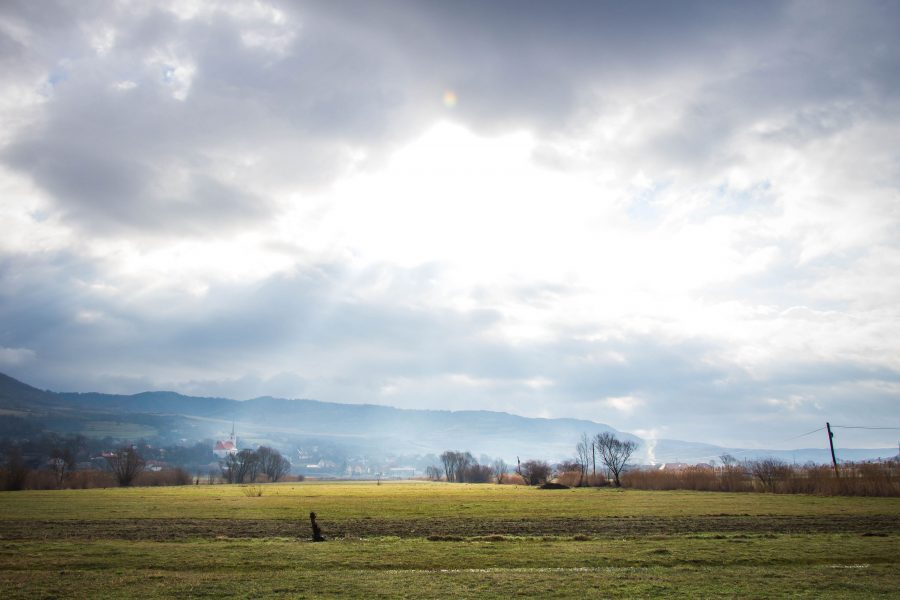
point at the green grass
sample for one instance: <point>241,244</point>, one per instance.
<point>415,501</point>
<point>801,566</point>
<point>38,558</point>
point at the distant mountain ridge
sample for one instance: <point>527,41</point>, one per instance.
<point>363,425</point>
<point>359,427</point>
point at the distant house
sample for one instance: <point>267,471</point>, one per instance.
<point>225,447</point>
<point>676,466</point>
<point>401,472</point>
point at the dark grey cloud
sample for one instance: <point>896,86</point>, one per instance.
<point>363,75</point>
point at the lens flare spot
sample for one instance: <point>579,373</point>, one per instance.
<point>450,99</point>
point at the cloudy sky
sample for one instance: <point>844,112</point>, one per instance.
<point>680,219</point>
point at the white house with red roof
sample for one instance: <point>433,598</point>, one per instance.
<point>225,447</point>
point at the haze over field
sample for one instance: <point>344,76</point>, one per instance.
<point>680,219</point>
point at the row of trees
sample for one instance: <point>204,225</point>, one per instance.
<point>461,467</point>
<point>47,460</point>
<point>613,455</point>
<point>124,467</point>
<point>247,465</point>
<point>124,464</point>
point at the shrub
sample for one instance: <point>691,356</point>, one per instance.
<point>253,491</point>
<point>478,474</point>
<point>164,477</point>
<point>570,478</point>
<point>535,472</point>
<point>774,476</point>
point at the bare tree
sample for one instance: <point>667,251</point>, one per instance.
<point>229,466</point>
<point>464,463</point>
<point>568,466</point>
<point>16,470</point>
<point>61,462</point>
<point>272,463</point>
<point>583,456</point>
<point>535,472</point>
<point>476,473</point>
<point>433,473</point>
<point>449,460</point>
<point>728,460</point>
<point>126,464</point>
<point>614,453</point>
<point>769,471</point>
<point>246,466</point>
<point>456,464</point>
<point>499,467</point>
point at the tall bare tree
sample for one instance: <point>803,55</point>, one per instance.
<point>448,460</point>
<point>126,464</point>
<point>272,463</point>
<point>61,462</point>
<point>463,464</point>
<point>499,468</point>
<point>456,464</point>
<point>229,466</point>
<point>246,466</point>
<point>583,456</point>
<point>614,453</point>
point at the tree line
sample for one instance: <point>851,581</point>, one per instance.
<point>771,475</point>
<point>49,460</point>
<point>611,453</point>
<point>247,465</point>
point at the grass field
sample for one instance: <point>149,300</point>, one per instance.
<point>444,540</point>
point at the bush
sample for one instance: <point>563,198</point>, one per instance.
<point>570,478</point>
<point>478,474</point>
<point>535,472</point>
<point>769,475</point>
<point>90,478</point>
<point>164,477</point>
<point>690,478</point>
<point>15,472</point>
<point>513,479</point>
<point>253,491</point>
<point>553,486</point>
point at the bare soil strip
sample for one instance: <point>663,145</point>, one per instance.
<point>184,529</point>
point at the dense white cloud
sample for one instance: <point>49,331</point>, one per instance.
<point>679,218</point>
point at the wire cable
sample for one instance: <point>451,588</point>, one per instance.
<point>801,435</point>
<point>862,427</point>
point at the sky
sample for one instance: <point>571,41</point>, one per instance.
<point>678,219</point>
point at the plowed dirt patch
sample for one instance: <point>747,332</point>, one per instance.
<point>183,529</point>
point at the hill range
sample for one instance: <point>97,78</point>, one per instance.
<point>172,418</point>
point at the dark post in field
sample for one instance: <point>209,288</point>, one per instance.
<point>317,533</point>
<point>831,444</point>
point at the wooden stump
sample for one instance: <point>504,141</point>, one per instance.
<point>317,533</point>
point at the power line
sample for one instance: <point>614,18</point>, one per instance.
<point>801,435</point>
<point>863,427</point>
<point>746,450</point>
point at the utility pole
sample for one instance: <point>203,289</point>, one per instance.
<point>831,444</point>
